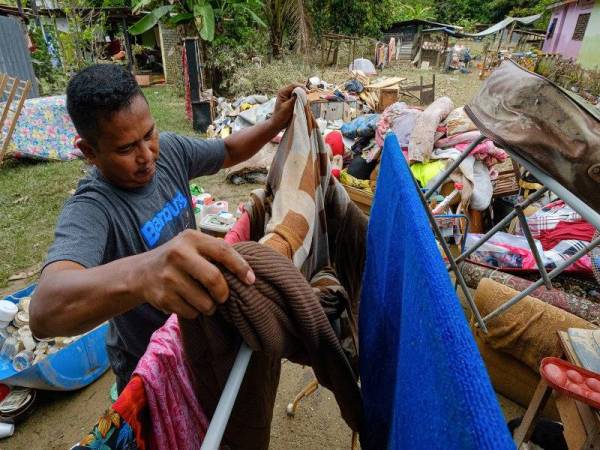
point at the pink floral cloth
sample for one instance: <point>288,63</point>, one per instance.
<point>488,153</point>
<point>177,420</point>
<point>461,138</point>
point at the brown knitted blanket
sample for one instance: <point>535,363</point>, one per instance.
<point>281,315</point>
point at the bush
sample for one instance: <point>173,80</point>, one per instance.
<point>51,80</point>
<point>570,75</point>
<point>266,79</point>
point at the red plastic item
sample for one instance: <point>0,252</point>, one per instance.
<point>571,380</point>
<point>336,142</point>
<point>4,391</point>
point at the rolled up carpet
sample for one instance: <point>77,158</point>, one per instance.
<point>528,329</point>
<point>511,378</point>
<point>578,306</point>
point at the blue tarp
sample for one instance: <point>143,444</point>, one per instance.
<point>423,381</point>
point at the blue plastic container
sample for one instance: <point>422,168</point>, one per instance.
<point>73,367</point>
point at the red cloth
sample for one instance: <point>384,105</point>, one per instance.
<point>240,232</point>
<point>131,406</point>
<point>186,82</point>
<point>336,142</point>
<point>580,231</point>
<point>159,402</point>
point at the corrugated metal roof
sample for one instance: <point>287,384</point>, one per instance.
<point>15,59</point>
<point>558,4</point>
<point>424,22</point>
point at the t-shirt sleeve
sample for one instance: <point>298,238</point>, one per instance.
<point>81,234</point>
<point>200,156</point>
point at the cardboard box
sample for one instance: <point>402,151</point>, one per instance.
<point>143,80</point>
<point>332,111</point>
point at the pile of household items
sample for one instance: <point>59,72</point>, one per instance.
<point>333,106</point>
<point>212,215</point>
<point>18,346</point>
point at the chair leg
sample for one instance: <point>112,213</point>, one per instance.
<point>354,441</point>
<point>308,390</point>
<point>535,408</point>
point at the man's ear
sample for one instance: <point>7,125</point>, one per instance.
<point>88,151</point>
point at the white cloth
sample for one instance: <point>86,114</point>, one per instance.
<point>472,174</point>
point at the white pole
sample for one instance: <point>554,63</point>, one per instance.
<point>217,425</point>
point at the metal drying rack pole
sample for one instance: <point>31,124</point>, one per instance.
<point>549,184</point>
<point>216,428</point>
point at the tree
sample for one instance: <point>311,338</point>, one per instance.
<point>356,18</point>
<point>287,16</point>
<point>453,11</point>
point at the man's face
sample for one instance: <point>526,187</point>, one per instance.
<point>127,148</point>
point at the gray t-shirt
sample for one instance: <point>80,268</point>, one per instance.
<point>101,223</point>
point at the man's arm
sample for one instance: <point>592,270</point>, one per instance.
<point>244,144</point>
<point>179,277</point>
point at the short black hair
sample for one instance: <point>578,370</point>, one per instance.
<point>97,92</point>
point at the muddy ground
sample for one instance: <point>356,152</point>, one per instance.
<point>61,419</point>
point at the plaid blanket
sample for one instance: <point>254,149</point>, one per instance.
<point>548,217</point>
<point>300,175</point>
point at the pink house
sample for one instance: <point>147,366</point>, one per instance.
<point>567,27</point>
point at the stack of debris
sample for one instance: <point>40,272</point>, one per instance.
<point>334,107</point>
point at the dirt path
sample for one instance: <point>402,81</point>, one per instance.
<point>62,419</point>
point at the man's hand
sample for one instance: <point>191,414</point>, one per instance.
<point>244,144</point>
<point>284,106</point>
<point>181,277</point>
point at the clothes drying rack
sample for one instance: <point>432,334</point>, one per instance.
<point>549,185</point>
<point>220,418</point>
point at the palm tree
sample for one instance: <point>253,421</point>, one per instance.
<point>289,16</point>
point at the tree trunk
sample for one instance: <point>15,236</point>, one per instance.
<point>276,38</point>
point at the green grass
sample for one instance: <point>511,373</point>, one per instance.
<point>168,110</point>
<point>31,197</point>
<point>32,193</point>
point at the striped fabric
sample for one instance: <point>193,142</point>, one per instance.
<point>300,176</point>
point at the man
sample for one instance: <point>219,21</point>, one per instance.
<point>126,248</point>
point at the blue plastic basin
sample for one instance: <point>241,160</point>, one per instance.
<point>73,367</point>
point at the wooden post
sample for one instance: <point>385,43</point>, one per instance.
<point>512,28</point>
<point>536,406</point>
<point>127,45</point>
<point>323,43</point>
<point>17,85</point>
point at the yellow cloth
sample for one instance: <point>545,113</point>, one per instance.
<point>354,182</point>
<point>424,172</point>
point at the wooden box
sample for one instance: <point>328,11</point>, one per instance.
<point>387,97</point>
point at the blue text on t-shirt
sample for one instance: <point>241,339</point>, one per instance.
<point>153,227</point>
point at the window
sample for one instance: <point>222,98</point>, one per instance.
<point>552,27</point>
<point>585,3</point>
<point>580,27</point>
